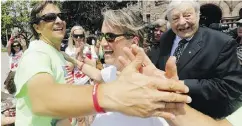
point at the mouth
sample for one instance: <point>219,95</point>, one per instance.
<point>58,29</point>
<point>108,52</point>
<point>184,29</point>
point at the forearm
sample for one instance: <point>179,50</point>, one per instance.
<point>92,72</point>
<point>63,101</point>
<point>192,117</point>
<point>9,46</point>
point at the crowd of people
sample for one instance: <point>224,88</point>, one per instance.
<point>190,76</point>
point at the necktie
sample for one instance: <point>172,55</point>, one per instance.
<point>180,49</point>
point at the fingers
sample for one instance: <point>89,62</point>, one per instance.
<point>136,60</point>
<point>159,74</point>
<point>171,68</point>
<point>166,115</point>
<point>129,54</point>
<point>172,97</point>
<point>169,85</point>
<point>168,105</point>
<point>123,61</point>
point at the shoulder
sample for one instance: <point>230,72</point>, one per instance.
<point>214,35</point>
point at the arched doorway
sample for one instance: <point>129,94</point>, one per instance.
<point>210,13</point>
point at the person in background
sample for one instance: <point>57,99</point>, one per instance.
<point>51,97</point>
<point>15,46</point>
<point>159,29</point>
<point>8,104</point>
<point>186,114</point>
<point>206,60</point>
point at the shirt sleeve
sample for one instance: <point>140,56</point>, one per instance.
<point>31,64</point>
<point>235,118</point>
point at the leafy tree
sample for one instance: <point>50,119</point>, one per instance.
<point>16,14</point>
<point>88,13</point>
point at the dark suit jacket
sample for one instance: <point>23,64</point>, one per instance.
<point>210,68</point>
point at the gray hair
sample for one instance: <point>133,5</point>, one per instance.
<point>176,3</point>
<point>127,21</point>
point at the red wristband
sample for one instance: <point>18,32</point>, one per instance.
<point>95,100</point>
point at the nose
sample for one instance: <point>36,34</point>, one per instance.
<point>104,42</point>
<point>182,20</point>
<point>58,20</point>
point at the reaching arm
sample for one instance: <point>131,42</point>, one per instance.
<point>56,99</point>
<point>9,45</point>
<point>89,70</point>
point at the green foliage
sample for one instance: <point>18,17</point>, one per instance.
<point>88,13</point>
<point>15,14</point>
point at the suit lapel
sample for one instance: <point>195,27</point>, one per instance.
<point>191,50</point>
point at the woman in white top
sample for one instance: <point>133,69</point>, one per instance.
<point>15,47</point>
<point>77,43</point>
<point>121,28</point>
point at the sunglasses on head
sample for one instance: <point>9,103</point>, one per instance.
<point>110,37</point>
<point>78,36</point>
<point>52,17</point>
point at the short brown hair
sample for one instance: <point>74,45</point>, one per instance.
<point>34,15</point>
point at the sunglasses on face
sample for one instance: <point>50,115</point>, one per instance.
<point>16,45</point>
<point>52,17</point>
<point>78,36</point>
<point>110,37</point>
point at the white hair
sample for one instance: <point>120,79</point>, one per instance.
<point>177,3</point>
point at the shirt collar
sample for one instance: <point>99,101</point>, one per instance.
<point>179,38</point>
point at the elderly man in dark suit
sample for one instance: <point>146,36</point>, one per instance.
<point>206,60</point>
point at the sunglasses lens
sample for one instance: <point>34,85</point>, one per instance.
<point>49,17</point>
<point>62,16</point>
<point>110,37</point>
<point>78,36</point>
<point>16,46</point>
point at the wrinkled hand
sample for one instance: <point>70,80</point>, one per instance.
<point>136,94</point>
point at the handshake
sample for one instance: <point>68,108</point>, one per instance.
<point>143,90</point>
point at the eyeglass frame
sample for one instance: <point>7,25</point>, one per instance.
<point>38,19</point>
<point>126,35</point>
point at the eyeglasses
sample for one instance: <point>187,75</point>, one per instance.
<point>16,45</point>
<point>78,36</point>
<point>110,37</point>
<point>52,17</point>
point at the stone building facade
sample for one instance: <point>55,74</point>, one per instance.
<point>227,11</point>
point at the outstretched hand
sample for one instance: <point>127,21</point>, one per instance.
<point>142,95</point>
